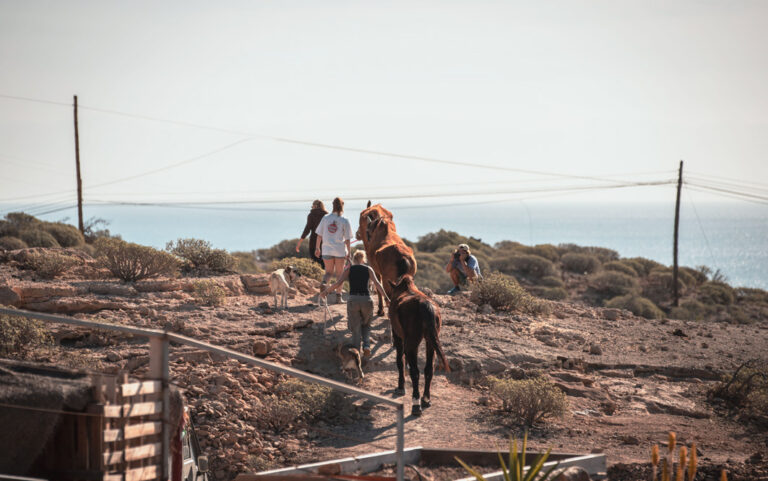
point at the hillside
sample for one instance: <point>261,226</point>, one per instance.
<point>628,380</point>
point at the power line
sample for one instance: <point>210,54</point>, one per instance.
<point>320,145</point>
<point>731,192</point>
<point>721,194</point>
<point>740,181</point>
<point>701,226</point>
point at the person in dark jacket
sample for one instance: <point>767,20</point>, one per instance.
<point>313,219</point>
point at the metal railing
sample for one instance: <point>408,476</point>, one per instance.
<point>159,368</point>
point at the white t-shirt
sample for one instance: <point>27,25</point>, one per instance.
<point>334,229</point>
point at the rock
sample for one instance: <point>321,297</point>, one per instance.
<point>609,407</point>
<point>74,305</point>
<point>255,283</point>
<point>630,440</point>
<point>159,285</point>
<point>9,297</point>
<point>595,349</point>
<point>574,473</point>
<point>611,314</point>
<point>112,356</point>
<point>486,309</point>
<point>112,289</point>
<point>455,364</point>
<point>261,348</point>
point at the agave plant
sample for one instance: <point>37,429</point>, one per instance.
<point>514,469</point>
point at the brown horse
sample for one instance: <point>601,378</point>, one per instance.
<point>387,254</point>
<point>419,318</point>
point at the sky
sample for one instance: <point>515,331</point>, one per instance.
<point>259,102</point>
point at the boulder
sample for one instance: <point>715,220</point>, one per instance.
<point>255,283</point>
<point>574,473</point>
<point>9,296</point>
<point>159,285</point>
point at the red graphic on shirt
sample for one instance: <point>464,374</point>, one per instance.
<point>333,227</point>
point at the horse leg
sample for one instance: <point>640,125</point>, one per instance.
<point>399,361</point>
<point>381,299</point>
<point>412,356</point>
<point>428,370</point>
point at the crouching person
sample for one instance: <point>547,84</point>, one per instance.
<point>360,303</point>
<point>463,268</point>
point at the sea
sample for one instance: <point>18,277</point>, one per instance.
<point>729,237</point>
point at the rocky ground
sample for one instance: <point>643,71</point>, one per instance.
<point>628,380</point>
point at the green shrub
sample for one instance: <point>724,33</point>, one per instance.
<point>504,293</point>
<point>550,281</point>
<point>603,254</point>
<point>620,266</point>
<point>580,263</point>
<point>305,267</point>
<point>132,262</point>
<point>516,468</point>
<point>612,283</point>
<point>751,295</point>
<point>637,305</point>
<point>37,238</point>
<point>283,249</point>
<point>199,255</point>
<point>524,264</point>
<point>547,251</point>
<point>659,286</point>
<point>693,277</point>
<point>435,240</point>
<point>19,335</point>
<point>208,293</point>
<point>247,262</point>
<point>11,243</point>
<point>529,400</point>
<point>21,220</point>
<point>716,293</point>
<point>691,311</point>
<point>66,235</point>
<point>747,390</point>
<point>50,264</point>
<point>551,293</point>
<point>642,265</point>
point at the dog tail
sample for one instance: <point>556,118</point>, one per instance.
<point>431,321</point>
<point>359,366</point>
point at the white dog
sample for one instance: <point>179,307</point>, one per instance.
<point>280,283</point>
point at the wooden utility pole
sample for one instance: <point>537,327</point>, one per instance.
<point>675,290</point>
<point>79,180</point>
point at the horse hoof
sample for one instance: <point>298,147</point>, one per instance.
<point>416,410</point>
<point>425,403</point>
<point>400,392</point>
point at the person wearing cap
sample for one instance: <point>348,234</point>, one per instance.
<point>463,267</point>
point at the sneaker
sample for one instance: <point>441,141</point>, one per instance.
<point>454,290</point>
<point>366,352</point>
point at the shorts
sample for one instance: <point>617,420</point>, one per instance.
<point>327,258</point>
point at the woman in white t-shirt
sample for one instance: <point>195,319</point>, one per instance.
<point>334,234</point>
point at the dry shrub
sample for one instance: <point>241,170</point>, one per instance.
<point>620,266</point>
<point>612,283</point>
<point>747,390</point>
<point>524,264</point>
<point>580,263</point>
<point>603,254</point>
<point>547,251</point>
<point>716,293</point>
<point>11,243</point>
<point>284,248</point>
<point>504,293</point>
<point>66,235</point>
<point>691,310</point>
<point>50,264</point>
<point>19,335</point>
<point>529,400</point>
<point>200,255</point>
<point>642,265</point>
<point>247,262</point>
<point>637,305</point>
<point>208,293</point>
<point>132,262</point>
<point>305,267</point>
<point>292,402</point>
<point>550,281</point>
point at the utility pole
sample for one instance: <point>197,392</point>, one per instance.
<point>79,180</point>
<point>675,290</point>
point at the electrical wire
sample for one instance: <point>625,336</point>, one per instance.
<point>730,192</point>
<point>721,194</point>
<point>721,178</point>
<point>701,226</point>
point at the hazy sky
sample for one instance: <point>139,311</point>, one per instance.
<point>578,88</point>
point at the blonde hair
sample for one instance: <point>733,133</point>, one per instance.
<point>464,247</point>
<point>360,257</point>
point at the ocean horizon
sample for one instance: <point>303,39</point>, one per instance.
<point>731,237</point>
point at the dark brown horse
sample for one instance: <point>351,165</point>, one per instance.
<point>387,254</point>
<point>416,318</point>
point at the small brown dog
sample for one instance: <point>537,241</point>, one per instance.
<point>350,360</point>
<point>280,283</point>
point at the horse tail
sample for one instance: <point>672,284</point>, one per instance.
<point>430,319</point>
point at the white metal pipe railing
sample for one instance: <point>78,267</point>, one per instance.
<point>164,337</point>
